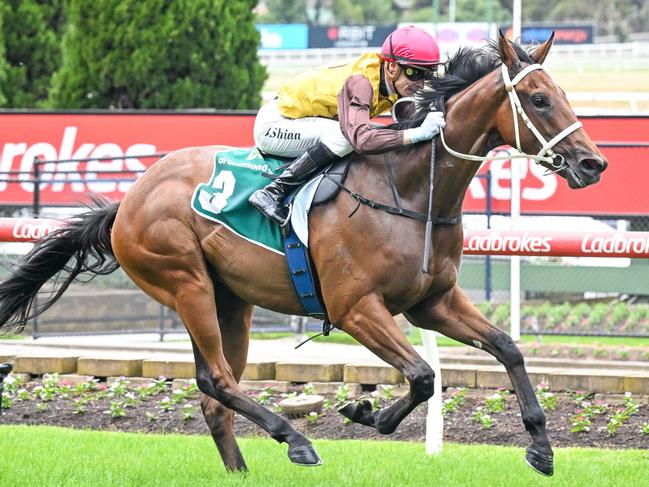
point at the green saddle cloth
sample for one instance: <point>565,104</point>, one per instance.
<point>224,199</point>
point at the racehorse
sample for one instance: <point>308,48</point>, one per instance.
<point>368,262</point>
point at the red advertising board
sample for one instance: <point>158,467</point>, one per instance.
<point>128,136</point>
<point>621,191</point>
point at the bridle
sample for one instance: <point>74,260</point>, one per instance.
<point>546,154</point>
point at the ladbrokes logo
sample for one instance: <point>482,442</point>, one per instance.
<point>27,230</point>
<point>77,177</point>
<point>617,244</point>
<point>560,244</point>
<point>498,243</point>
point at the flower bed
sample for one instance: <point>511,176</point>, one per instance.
<point>471,416</point>
<point>601,317</point>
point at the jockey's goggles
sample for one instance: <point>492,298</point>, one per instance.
<point>416,73</point>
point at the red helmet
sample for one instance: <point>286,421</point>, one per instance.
<point>411,45</point>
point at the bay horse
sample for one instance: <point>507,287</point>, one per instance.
<point>369,265</point>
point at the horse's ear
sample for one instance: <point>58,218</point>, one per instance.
<point>541,52</point>
<point>507,52</point>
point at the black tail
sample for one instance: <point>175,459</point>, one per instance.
<point>82,245</point>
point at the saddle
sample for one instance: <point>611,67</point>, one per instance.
<point>328,189</point>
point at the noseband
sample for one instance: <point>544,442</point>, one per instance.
<point>546,154</point>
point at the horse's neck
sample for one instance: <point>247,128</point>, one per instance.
<point>471,116</point>
<point>470,129</point>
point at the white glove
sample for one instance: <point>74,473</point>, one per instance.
<point>430,127</point>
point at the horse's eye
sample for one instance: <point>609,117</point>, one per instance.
<point>540,101</point>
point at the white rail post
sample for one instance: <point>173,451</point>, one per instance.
<point>434,419</point>
<point>515,263</point>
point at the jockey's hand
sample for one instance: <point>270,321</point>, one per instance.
<point>429,128</point>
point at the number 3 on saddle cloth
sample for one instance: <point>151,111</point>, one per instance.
<point>224,199</point>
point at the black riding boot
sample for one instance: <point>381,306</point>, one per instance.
<point>269,199</point>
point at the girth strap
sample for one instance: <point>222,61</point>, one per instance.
<point>396,211</point>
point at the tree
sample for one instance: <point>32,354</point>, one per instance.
<point>283,12</point>
<point>159,54</point>
<point>377,12</point>
<point>317,12</point>
<point>619,17</point>
<point>3,64</point>
<point>465,11</point>
<point>32,35</point>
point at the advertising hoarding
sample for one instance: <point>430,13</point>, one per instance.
<point>563,33</point>
<point>349,36</point>
<point>452,36</point>
<point>283,36</point>
<point>128,136</point>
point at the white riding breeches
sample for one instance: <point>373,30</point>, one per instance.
<point>287,137</point>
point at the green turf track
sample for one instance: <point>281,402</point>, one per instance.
<point>41,456</point>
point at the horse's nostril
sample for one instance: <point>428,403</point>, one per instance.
<point>592,165</point>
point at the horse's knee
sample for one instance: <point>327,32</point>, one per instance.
<point>216,387</point>
<point>422,382</point>
<point>507,352</point>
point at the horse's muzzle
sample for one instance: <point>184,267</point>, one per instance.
<point>586,171</point>
<point>592,166</point>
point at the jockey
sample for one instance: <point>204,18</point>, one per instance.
<point>324,114</point>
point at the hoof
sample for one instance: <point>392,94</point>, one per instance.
<point>359,412</point>
<point>541,462</point>
<point>304,455</point>
<point>5,369</point>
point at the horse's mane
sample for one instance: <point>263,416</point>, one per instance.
<point>463,69</point>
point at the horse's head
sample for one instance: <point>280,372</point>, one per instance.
<point>536,118</point>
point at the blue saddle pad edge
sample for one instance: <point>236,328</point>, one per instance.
<point>299,268</point>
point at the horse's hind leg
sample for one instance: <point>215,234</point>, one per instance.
<point>455,316</point>
<point>177,276</point>
<point>196,307</point>
<point>234,317</point>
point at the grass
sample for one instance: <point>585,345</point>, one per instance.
<point>442,341</point>
<point>571,80</point>
<point>601,80</point>
<point>46,456</point>
<point>415,339</point>
<point>594,340</point>
<point>12,337</point>
<point>588,80</point>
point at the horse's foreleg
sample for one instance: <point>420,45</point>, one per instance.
<point>234,317</point>
<point>220,421</point>
<point>214,376</point>
<point>454,316</point>
<point>370,323</point>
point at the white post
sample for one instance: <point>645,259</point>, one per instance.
<point>434,419</point>
<point>515,269</point>
<point>515,272</point>
<point>516,19</point>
